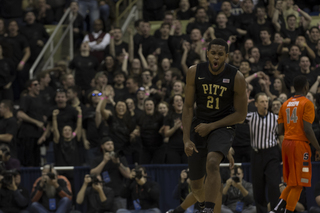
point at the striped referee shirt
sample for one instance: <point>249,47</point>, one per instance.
<point>263,130</point>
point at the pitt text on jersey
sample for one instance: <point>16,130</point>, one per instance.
<point>217,91</point>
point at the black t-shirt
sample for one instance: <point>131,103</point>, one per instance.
<point>225,33</point>
<point>244,20</point>
<point>269,52</point>
<point>85,70</point>
<point>317,59</point>
<point>149,45</point>
<point>117,48</point>
<point>48,19</point>
<point>34,32</point>
<point>184,15</point>
<point>7,71</point>
<point>11,9</point>
<point>92,132</point>
<point>66,152</point>
<point>120,94</point>
<point>175,46</point>
<point>92,199</point>
<point>292,34</point>
<point>149,130</point>
<point>9,126</point>
<point>254,31</point>
<point>255,67</point>
<point>175,140</point>
<point>19,43</point>
<point>231,20</point>
<point>202,26</point>
<point>290,68</point>
<point>311,76</point>
<point>47,99</point>
<point>111,170</point>
<point>67,116</point>
<point>120,132</point>
<point>32,106</point>
<point>165,51</point>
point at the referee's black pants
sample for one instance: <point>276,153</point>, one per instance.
<point>265,173</point>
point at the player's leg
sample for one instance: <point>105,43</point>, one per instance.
<point>293,198</point>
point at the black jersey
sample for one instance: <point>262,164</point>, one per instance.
<point>214,93</point>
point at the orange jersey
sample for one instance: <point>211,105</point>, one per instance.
<point>292,114</point>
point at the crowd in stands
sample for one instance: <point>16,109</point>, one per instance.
<point>131,93</point>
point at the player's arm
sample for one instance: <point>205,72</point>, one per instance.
<point>239,104</point>
<point>187,112</point>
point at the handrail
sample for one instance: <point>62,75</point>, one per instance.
<point>48,43</point>
<point>126,11</point>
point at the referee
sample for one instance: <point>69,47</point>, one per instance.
<point>265,159</point>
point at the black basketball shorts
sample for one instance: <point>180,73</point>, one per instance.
<point>219,140</point>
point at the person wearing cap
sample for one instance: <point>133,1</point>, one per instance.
<point>113,168</point>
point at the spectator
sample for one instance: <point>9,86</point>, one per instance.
<point>72,96</point>
<point>152,10</point>
<point>134,112</point>
<point>304,48</point>
<point>301,205</point>
<point>275,107</point>
<point>181,191</point>
<point>152,143</point>
<point>316,209</point>
<point>305,70</point>
<point>116,43</point>
<point>279,87</point>
<point>163,41</point>
<point>66,146</point>
<point>119,88</point>
<point>292,32</point>
<point>110,66</point>
<point>143,192</point>
<point>184,11</point>
<point>222,30</point>
<point>248,43</point>
<point>173,129</point>
<point>289,68</point>
<point>226,9</point>
<point>114,169</point>
<point>201,21</point>
<point>97,40</point>
<point>8,126</point>
<point>7,72</point>
<point>92,6</point>
<point>77,24</point>
<point>245,19</point>
<point>283,97</point>
<point>255,62</point>
<point>268,50</point>
<point>278,20</point>
<point>31,129</point>
<point>85,66</point>
<point>237,193</point>
<point>210,12</point>
<point>51,192</point>
<point>149,43</point>
<point>67,81</point>
<point>12,10</point>
<point>43,12</point>
<point>132,86</point>
<point>8,161</point>
<point>97,196</point>
<point>57,7</point>
<point>236,58</point>
<point>21,54</point>
<point>236,7</point>
<point>36,35</point>
<point>313,37</point>
<point>12,197</point>
<point>260,22</point>
<point>168,19</point>
<point>46,92</point>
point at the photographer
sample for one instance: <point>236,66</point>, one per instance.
<point>237,194</point>
<point>113,168</point>
<point>143,192</point>
<point>51,192</point>
<point>97,196</point>
<point>6,161</point>
<point>13,198</point>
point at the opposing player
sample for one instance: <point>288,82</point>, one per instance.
<point>219,90</point>
<point>295,120</point>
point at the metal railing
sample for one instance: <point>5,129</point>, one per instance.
<point>129,5</point>
<point>46,58</point>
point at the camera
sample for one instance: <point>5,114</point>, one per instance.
<point>138,172</point>
<point>95,180</point>
<point>5,153</point>
<point>8,176</point>
<point>51,175</point>
<point>117,154</point>
<point>236,179</point>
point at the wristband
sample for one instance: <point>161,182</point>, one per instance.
<point>204,48</point>
<point>255,75</point>
<point>299,10</point>
<point>229,42</point>
<point>79,116</point>
<point>317,65</point>
<point>112,37</point>
<point>44,129</point>
<point>319,27</point>
<point>126,57</point>
<point>74,134</point>
<point>202,40</point>
<point>147,94</point>
<point>102,98</point>
<point>22,62</point>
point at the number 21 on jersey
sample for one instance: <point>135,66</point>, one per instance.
<point>210,102</point>
<point>292,116</point>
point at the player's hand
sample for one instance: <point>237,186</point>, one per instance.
<point>189,146</point>
<point>203,129</point>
